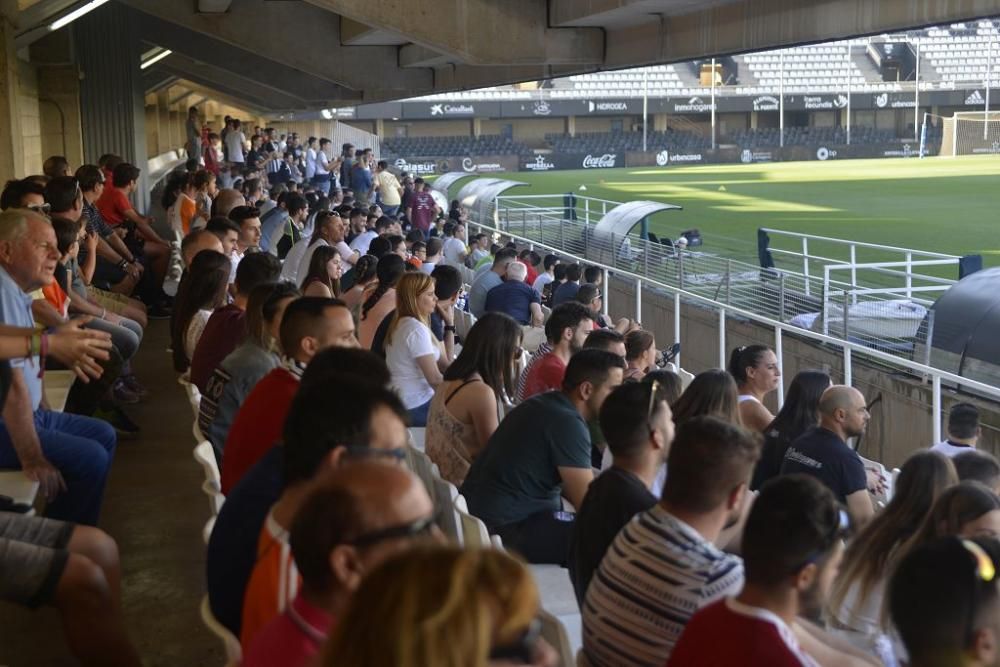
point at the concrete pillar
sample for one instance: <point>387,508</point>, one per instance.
<point>659,122</point>
<point>477,127</point>
<point>753,120</point>
<point>111,90</point>
<point>571,126</point>
<point>379,127</point>
<point>162,118</point>
<point>59,105</point>
<point>11,146</point>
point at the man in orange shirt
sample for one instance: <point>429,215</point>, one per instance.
<point>322,431</point>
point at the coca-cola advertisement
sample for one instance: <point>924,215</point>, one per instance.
<point>605,161</point>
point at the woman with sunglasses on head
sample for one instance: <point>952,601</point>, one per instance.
<point>711,393</point>
<point>755,369</point>
<point>855,605</point>
<point>443,607</point>
<point>468,404</point>
<point>323,276</point>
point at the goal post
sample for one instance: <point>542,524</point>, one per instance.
<point>963,133</point>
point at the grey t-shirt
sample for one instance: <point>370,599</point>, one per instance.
<point>229,386</point>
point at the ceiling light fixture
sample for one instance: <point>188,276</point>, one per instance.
<point>75,14</point>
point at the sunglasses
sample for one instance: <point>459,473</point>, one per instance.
<point>985,572</point>
<point>419,528</point>
<point>40,208</point>
<point>523,649</point>
<point>840,530</point>
<point>364,452</point>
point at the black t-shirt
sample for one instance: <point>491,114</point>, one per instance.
<point>822,454</point>
<point>771,458</point>
<point>611,501</point>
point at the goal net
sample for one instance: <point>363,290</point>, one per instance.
<point>966,133</point>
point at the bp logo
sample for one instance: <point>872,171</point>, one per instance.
<point>824,153</point>
<point>746,157</point>
<point>662,158</point>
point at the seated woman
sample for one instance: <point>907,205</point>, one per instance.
<point>414,357</point>
<point>468,404</point>
<point>712,393</point>
<point>855,606</point>
<point>323,276</point>
<point>449,606</point>
<point>380,299</point>
<point>755,369</point>
<point>202,290</point>
<point>640,353</point>
<point>800,412</point>
<point>364,279</point>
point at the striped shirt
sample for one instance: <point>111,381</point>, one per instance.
<point>522,380</point>
<point>655,575</point>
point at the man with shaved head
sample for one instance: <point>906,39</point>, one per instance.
<point>357,516</point>
<point>823,452</point>
<point>196,241</point>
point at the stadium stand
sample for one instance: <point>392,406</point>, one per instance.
<point>959,53</point>
<point>599,142</point>
<point>487,144</point>
<point>808,136</point>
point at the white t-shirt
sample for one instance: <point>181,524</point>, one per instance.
<point>310,163</point>
<point>541,281</point>
<point>950,450</point>
<point>195,328</point>
<point>363,240</point>
<point>452,250</point>
<point>292,268</point>
<point>428,267</point>
<point>234,144</point>
<point>234,259</point>
<point>411,339</point>
<point>320,164</point>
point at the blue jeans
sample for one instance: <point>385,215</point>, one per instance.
<point>418,415</point>
<point>390,211</point>
<point>81,449</point>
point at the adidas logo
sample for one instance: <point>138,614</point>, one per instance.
<point>975,98</point>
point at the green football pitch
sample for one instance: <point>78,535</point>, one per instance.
<point>937,204</point>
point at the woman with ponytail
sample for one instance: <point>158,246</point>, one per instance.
<point>382,298</point>
<point>755,369</point>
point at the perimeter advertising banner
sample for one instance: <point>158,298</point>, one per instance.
<point>483,164</point>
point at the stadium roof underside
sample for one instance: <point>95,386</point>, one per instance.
<point>321,53</point>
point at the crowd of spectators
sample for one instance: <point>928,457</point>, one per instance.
<point>318,314</point>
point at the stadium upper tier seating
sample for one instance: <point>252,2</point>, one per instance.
<point>807,136</point>
<point>485,144</point>
<point>602,142</point>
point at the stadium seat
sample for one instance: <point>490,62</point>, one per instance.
<point>56,386</point>
<point>16,486</point>
<point>230,642</point>
<point>448,518</point>
<point>555,634</point>
<point>423,467</point>
<point>417,435</point>
<point>204,454</point>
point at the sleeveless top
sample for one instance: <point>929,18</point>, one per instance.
<point>449,442</point>
<point>743,398</point>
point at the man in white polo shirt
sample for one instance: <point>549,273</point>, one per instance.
<point>963,430</point>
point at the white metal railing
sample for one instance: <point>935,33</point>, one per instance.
<point>848,348</point>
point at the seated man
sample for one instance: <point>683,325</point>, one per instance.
<point>310,324</point>
<point>565,330</point>
<point>980,467</point>
<point>608,340</point>
<point>944,602</point>
<point>515,298</point>
<point>638,426</point>
<point>590,296</point>
<point>540,452</point>
<point>483,283</point>
<point>823,452</point>
<point>75,569</point>
<point>343,529</point>
<point>964,430</point>
<point>68,455</point>
<point>567,291</point>
<point>232,549</point>
<point>792,547</point>
<point>196,241</point>
<point>663,564</point>
<point>226,327</point>
<point>365,422</point>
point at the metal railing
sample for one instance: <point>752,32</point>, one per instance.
<point>879,315</point>
<point>725,302</point>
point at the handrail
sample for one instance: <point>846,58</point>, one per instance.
<point>857,244</point>
<point>847,347</point>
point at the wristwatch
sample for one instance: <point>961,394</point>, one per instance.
<point>450,327</point>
